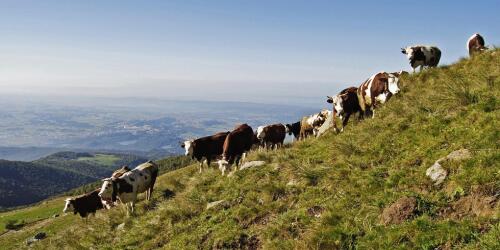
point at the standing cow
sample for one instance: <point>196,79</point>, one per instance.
<point>377,90</point>
<point>206,148</point>
<point>271,136</point>
<point>310,124</point>
<point>126,187</point>
<point>344,105</point>
<point>117,173</point>
<point>475,44</point>
<point>293,129</point>
<point>421,55</point>
<point>84,204</point>
<point>237,143</point>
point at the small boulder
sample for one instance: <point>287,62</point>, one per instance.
<point>252,164</point>
<point>121,226</point>
<point>40,236</point>
<point>437,173</point>
<point>459,155</point>
<point>399,211</point>
<point>217,204</point>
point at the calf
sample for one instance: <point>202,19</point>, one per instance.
<point>272,135</point>
<point>344,105</point>
<point>294,129</point>
<point>475,44</point>
<point>84,204</point>
<point>206,148</point>
<point>310,124</point>
<point>126,187</point>
<point>422,56</point>
<point>377,90</point>
<point>237,143</point>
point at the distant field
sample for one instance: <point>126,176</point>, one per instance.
<point>101,159</point>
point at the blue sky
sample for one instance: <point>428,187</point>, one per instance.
<point>263,51</point>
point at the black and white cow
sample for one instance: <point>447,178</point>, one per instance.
<point>293,129</point>
<point>421,55</point>
<point>126,187</point>
<point>475,44</point>
<point>84,204</point>
<point>205,148</point>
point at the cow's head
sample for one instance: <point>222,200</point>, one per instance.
<point>393,83</point>
<point>108,190</point>
<point>188,146</point>
<point>69,207</point>
<point>337,102</point>
<point>260,132</point>
<point>408,51</point>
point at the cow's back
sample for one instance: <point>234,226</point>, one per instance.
<point>210,145</point>
<point>275,133</point>
<point>238,141</point>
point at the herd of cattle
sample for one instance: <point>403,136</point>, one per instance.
<point>230,147</point>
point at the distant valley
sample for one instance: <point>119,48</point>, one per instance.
<point>23,183</point>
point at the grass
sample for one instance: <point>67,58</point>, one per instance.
<point>350,177</point>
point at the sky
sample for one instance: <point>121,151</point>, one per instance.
<point>257,51</point>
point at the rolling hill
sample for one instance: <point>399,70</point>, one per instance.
<point>23,183</point>
<point>365,188</point>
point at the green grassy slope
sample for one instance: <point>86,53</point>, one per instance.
<point>346,179</point>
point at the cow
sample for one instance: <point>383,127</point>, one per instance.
<point>237,143</point>
<point>117,173</point>
<point>272,136</point>
<point>126,187</point>
<point>377,90</point>
<point>421,55</point>
<point>294,129</point>
<point>84,204</point>
<point>310,124</point>
<point>475,44</point>
<point>206,148</point>
<point>344,105</point>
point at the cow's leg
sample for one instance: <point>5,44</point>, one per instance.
<point>243,157</point>
<point>345,121</point>
<point>201,166</point>
<point>421,67</point>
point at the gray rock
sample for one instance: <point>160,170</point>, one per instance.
<point>437,173</point>
<point>326,125</point>
<point>459,155</point>
<point>121,226</point>
<point>252,164</point>
<point>216,204</point>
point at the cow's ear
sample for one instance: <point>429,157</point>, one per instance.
<point>183,145</point>
<point>403,50</point>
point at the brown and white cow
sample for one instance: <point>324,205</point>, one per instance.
<point>84,204</point>
<point>271,136</point>
<point>127,187</point>
<point>421,55</point>
<point>344,105</point>
<point>310,124</point>
<point>205,148</point>
<point>237,143</point>
<point>377,90</point>
<point>475,44</point>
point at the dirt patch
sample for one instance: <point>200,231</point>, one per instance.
<point>243,242</point>
<point>477,205</point>
<point>401,210</point>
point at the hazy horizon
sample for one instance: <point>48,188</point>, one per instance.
<point>273,52</point>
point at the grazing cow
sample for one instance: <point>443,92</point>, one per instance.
<point>126,187</point>
<point>117,173</point>
<point>475,44</point>
<point>310,124</point>
<point>344,105</point>
<point>207,148</point>
<point>378,89</point>
<point>84,204</point>
<point>237,143</point>
<point>422,56</point>
<point>294,129</point>
<point>272,135</point>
